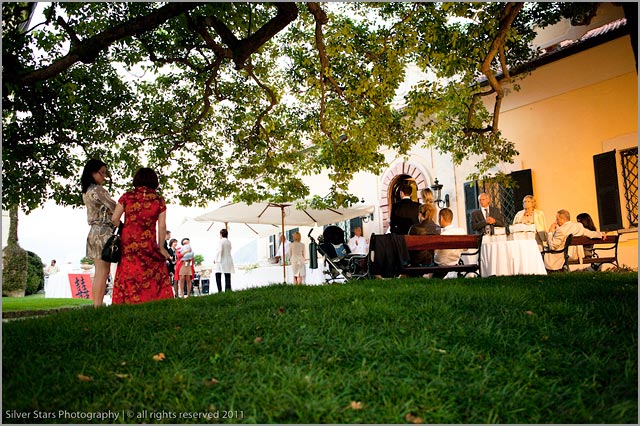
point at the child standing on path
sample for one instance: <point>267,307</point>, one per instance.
<point>297,259</point>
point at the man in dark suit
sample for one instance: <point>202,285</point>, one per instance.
<point>484,219</point>
<point>404,213</point>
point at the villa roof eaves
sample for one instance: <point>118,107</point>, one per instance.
<point>591,39</point>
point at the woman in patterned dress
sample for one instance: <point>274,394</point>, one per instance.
<point>142,273</point>
<point>100,208</point>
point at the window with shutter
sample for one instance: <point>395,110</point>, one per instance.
<point>629,162</point>
<point>354,223</point>
<point>607,192</point>
<point>471,193</point>
<point>522,186</point>
<point>507,199</point>
<point>290,233</point>
<point>272,245</point>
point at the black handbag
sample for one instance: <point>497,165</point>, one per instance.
<point>112,250</point>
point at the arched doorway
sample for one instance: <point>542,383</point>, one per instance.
<point>401,173</point>
<point>398,183</point>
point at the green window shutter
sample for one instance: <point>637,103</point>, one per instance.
<point>607,193</point>
<point>471,192</point>
<point>523,186</point>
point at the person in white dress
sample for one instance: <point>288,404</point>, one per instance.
<point>224,262</point>
<point>296,256</point>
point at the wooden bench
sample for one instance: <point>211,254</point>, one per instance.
<point>442,242</point>
<point>609,245</point>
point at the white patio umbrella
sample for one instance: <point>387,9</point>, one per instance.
<point>267,213</point>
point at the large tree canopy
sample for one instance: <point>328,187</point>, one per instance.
<point>244,99</point>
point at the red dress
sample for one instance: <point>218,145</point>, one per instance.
<point>142,272</point>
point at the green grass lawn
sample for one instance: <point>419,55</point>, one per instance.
<point>38,302</point>
<point>533,349</point>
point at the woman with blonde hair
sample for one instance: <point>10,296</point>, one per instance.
<point>427,196</point>
<point>530,215</point>
<point>426,226</point>
<point>297,259</point>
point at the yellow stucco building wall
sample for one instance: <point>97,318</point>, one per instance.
<point>565,113</point>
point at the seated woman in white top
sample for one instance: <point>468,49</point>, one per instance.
<point>529,215</point>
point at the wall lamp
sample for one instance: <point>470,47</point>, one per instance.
<point>437,195</point>
<point>368,218</point>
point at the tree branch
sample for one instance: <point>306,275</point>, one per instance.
<point>508,15</point>
<point>469,130</point>
<point>199,27</point>
<point>321,18</point>
<point>178,60</point>
<point>273,100</point>
<point>75,41</point>
<point>243,49</point>
<point>87,51</point>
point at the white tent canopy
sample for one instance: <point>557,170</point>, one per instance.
<point>282,214</point>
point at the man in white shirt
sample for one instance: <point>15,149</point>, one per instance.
<point>358,244</point>
<point>558,232</point>
<point>447,256</point>
<point>51,269</point>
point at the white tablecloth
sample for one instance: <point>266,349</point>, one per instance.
<point>515,257</point>
<point>266,275</point>
<point>57,285</point>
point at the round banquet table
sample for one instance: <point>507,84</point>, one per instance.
<point>511,257</point>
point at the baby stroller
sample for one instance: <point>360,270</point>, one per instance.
<point>340,263</point>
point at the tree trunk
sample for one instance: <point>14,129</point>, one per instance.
<point>12,238</point>
<point>14,261</point>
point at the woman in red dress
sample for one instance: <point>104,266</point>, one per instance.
<point>142,272</point>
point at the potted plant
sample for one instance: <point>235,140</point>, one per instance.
<point>198,259</point>
<point>86,263</point>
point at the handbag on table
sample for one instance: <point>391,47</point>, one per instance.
<point>112,250</point>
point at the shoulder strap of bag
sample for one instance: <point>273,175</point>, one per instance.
<point>118,230</point>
